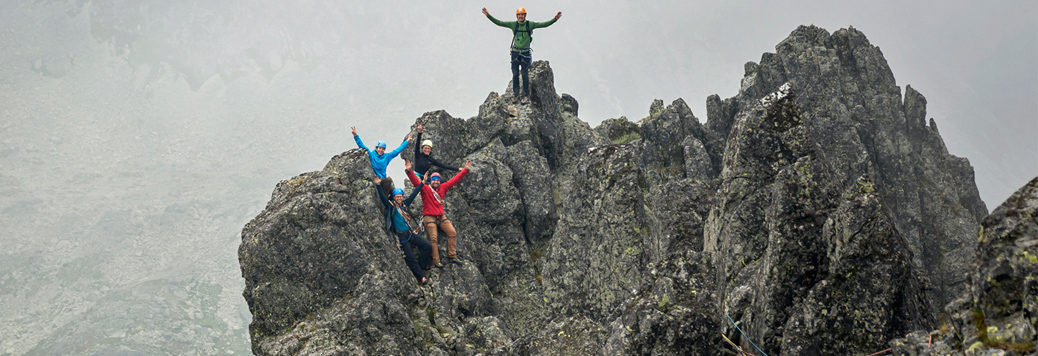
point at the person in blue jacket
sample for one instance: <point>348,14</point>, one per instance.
<point>380,159</point>
<point>407,239</point>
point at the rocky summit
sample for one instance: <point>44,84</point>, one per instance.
<point>816,212</point>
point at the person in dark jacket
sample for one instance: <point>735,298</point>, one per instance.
<point>423,160</point>
<point>397,223</point>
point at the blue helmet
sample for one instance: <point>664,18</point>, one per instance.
<point>380,144</point>
<point>398,191</point>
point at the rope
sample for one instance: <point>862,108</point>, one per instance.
<point>744,334</point>
<point>737,348</point>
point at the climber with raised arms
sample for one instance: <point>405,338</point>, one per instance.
<point>397,222</point>
<point>433,195</point>
<point>423,160</point>
<point>380,159</point>
<point>522,56</point>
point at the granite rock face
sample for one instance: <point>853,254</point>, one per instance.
<point>807,261</point>
<point>313,267</point>
<point>998,313</point>
<point>857,117</point>
<point>815,208</point>
<point>844,133</point>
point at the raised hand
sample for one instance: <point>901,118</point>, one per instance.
<point>410,138</point>
<point>485,13</point>
<point>407,165</point>
<point>353,129</point>
<point>468,164</point>
<point>419,127</point>
<point>558,15</point>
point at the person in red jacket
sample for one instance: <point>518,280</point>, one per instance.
<point>432,207</point>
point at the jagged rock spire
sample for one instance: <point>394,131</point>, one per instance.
<point>814,207</point>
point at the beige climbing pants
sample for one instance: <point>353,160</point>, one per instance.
<point>440,222</point>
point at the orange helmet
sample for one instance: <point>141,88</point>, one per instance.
<point>521,10</point>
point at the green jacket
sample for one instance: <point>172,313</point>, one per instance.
<point>522,38</point>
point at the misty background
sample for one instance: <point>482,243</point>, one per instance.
<point>138,137</point>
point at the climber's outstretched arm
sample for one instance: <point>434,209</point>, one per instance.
<point>508,24</point>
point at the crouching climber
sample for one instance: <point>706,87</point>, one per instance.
<point>407,239</point>
<point>433,208</point>
<point>380,159</point>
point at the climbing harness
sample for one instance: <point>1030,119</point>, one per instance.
<point>515,32</point>
<point>524,56</point>
<point>744,334</point>
<point>408,218</point>
<point>406,214</point>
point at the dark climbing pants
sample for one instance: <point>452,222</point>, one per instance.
<point>521,65</point>
<point>387,187</point>
<point>408,242</point>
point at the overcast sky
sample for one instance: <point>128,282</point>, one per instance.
<point>973,61</point>
<point>140,136</point>
<point>380,65</point>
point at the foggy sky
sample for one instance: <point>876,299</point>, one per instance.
<point>388,63</point>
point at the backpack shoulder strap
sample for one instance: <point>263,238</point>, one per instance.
<point>528,29</point>
<point>515,32</point>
